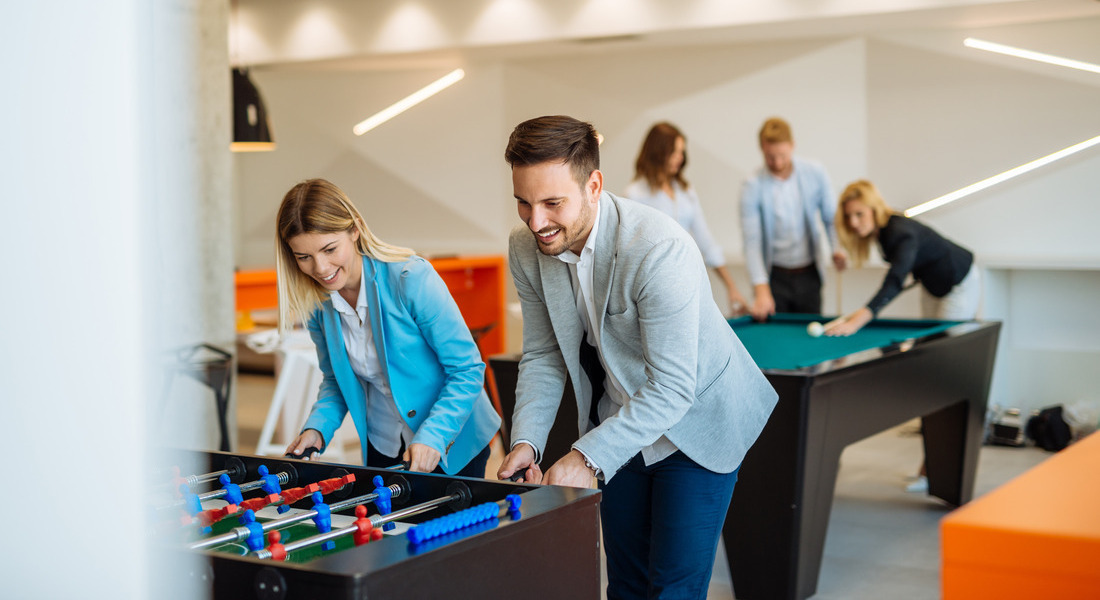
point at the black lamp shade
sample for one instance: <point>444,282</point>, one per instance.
<point>251,130</point>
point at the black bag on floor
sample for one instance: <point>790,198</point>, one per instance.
<point>1049,429</point>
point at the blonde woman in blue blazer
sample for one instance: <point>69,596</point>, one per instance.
<point>391,343</point>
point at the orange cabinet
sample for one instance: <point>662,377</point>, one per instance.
<point>256,290</point>
<point>477,285</point>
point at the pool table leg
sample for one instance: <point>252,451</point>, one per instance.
<point>952,439</point>
<point>776,509</point>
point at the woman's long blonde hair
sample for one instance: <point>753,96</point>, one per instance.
<point>318,206</point>
<point>866,192</point>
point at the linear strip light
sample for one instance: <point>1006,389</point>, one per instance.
<point>409,101</point>
<point>1009,174</point>
<point>1031,55</point>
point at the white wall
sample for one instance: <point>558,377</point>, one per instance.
<point>428,181</point>
<point>909,110</point>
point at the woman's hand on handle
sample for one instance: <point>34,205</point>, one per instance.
<point>310,438</point>
<point>421,458</point>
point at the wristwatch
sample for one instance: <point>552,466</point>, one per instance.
<point>595,470</point>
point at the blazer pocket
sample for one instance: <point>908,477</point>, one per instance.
<point>624,327</point>
<point>619,304</point>
<point>703,389</point>
<point>615,309</point>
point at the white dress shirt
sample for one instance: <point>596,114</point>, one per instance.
<point>385,427</point>
<point>615,395</point>
<point>791,246</point>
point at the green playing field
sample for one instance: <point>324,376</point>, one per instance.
<point>289,534</point>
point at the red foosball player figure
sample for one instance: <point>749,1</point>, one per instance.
<point>278,551</point>
<point>367,532</point>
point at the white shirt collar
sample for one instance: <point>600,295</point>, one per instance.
<point>341,305</point>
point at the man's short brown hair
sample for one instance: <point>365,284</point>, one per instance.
<point>559,139</point>
<point>775,130</point>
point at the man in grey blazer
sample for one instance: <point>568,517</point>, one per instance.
<point>616,297</point>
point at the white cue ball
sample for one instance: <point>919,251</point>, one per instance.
<point>815,329</point>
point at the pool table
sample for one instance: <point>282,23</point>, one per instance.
<point>832,392</point>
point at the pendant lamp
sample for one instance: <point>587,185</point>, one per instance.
<point>251,130</point>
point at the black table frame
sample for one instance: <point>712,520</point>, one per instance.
<point>774,533</point>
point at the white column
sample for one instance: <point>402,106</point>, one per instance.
<point>114,209</point>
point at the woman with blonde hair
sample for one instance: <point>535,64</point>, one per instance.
<point>952,287</point>
<point>659,183</point>
<point>391,343</point>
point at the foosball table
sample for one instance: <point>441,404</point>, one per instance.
<point>280,528</point>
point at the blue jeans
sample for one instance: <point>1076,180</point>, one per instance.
<point>474,468</point>
<point>661,526</point>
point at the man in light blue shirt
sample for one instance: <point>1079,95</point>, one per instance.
<point>780,209</point>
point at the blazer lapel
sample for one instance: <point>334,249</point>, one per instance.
<point>374,312</point>
<point>561,306</point>
<point>604,268</point>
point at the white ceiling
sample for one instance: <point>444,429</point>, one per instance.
<point>404,34</point>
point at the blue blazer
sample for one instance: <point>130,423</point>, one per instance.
<point>432,364</point>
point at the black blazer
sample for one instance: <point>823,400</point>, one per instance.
<point>911,247</point>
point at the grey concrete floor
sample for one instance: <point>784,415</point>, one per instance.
<point>882,542</point>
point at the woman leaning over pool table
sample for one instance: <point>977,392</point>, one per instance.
<point>391,342</point>
<point>951,284</point>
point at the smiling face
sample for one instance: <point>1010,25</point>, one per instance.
<point>859,217</point>
<point>557,210</point>
<point>330,259</point>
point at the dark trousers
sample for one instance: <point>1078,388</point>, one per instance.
<point>661,526</point>
<point>474,468</point>
<point>796,290</point>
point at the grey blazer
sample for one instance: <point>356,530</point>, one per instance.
<point>688,376</point>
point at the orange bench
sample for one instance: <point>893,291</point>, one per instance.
<point>1037,536</point>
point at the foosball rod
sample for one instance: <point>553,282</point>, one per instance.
<point>193,480</point>
<point>375,520</point>
<point>239,533</point>
<point>283,478</point>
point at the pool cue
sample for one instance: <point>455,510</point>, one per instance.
<point>839,293</point>
<point>841,313</point>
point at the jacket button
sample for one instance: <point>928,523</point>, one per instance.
<point>412,413</point>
